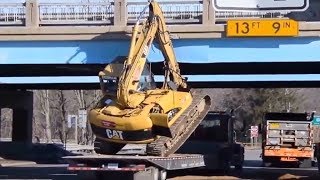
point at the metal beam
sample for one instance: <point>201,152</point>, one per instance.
<point>34,70</point>
<point>211,84</point>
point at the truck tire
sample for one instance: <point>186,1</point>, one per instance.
<point>226,168</point>
<point>267,161</point>
<point>306,163</point>
<point>266,164</point>
<point>238,167</point>
<point>101,147</point>
<point>162,175</point>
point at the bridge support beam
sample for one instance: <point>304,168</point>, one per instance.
<point>120,13</point>
<point>208,13</point>
<point>32,13</point>
<point>21,102</point>
<point>0,123</point>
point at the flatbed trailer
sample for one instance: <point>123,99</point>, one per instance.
<point>133,166</point>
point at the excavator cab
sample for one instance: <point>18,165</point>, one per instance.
<point>147,81</point>
<point>109,78</point>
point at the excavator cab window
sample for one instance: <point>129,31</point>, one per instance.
<point>109,87</point>
<point>147,81</point>
<point>110,84</point>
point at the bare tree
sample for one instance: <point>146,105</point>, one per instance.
<point>86,100</point>
<point>62,108</point>
<point>6,123</point>
<point>82,106</point>
<point>44,105</point>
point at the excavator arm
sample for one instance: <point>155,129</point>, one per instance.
<point>143,36</point>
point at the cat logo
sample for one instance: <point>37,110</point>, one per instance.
<point>114,134</point>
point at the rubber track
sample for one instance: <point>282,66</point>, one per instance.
<point>183,127</point>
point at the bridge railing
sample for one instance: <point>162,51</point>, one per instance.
<point>175,12</point>
<point>34,13</point>
<point>12,14</point>
<point>73,14</point>
<point>223,16</point>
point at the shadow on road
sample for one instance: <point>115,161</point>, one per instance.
<point>253,163</point>
<point>247,174</point>
<point>253,169</point>
<point>278,173</point>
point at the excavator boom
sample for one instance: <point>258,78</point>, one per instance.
<point>141,41</point>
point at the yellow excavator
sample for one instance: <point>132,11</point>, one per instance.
<point>133,109</point>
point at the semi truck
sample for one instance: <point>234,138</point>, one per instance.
<point>287,137</point>
<point>211,146</point>
<point>215,139</point>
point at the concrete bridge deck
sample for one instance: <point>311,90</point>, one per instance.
<point>113,19</point>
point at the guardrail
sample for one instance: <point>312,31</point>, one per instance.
<point>91,20</point>
<point>114,12</point>
<point>12,14</point>
<point>174,11</point>
<point>71,13</point>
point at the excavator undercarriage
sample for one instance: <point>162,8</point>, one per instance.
<point>183,127</point>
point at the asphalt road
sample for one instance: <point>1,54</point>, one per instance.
<point>251,170</point>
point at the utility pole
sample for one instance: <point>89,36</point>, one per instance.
<point>73,120</point>
<point>82,114</point>
<point>76,131</point>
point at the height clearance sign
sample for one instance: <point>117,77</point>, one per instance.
<point>261,5</point>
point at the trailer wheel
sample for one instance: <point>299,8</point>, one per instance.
<point>162,175</point>
<point>159,174</point>
<point>151,173</point>
<point>101,147</point>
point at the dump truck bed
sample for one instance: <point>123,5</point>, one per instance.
<point>280,133</point>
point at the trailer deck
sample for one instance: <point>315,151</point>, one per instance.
<point>172,162</point>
